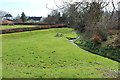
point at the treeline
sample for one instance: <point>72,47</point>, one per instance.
<point>85,17</point>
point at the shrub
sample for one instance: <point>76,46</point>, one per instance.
<point>110,51</point>
<point>59,35</point>
<point>96,40</point>
<point>117,41</point>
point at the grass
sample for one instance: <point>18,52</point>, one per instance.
<point>17,26</point>
<point>0,56</point>
<point>39,54</point>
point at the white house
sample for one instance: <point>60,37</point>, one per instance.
<point>8,17</point>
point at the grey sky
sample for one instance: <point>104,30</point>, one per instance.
<point>36,7</point>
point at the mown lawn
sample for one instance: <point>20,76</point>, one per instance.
<point>17,26</point>
<point>39,54</point>
<point>0,56</point>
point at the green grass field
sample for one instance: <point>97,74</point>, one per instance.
<point>0,56</point>
<point>17,26</point>
<point>39,54</point>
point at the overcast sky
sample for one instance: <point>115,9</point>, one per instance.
<point>32,7</point>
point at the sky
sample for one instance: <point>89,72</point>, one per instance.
<point>29,7</point>
<point>33,7</point>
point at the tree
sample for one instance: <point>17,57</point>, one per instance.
<point>53,18</point>
<point>93,14</point>
<point>73,17</point>
<point>2,13</point>
<point>23,17</point>
<point>18,19</point>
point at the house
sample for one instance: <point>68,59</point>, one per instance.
<point>34,19</point>
<point>8,17</point>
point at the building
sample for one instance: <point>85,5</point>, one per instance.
<point>8,17</point>
<point>34,19</point>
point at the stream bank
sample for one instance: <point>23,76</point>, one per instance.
<point>72,40</point>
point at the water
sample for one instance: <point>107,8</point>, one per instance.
<point>71,41</point>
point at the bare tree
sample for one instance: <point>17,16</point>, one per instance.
<point>53,18</point>
<point>93,12</point>
<point>2,13</point>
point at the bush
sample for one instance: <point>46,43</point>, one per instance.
<point>96,40</point>
<point>59,35</point>
<point>117,41</point>
<point>110,52</point>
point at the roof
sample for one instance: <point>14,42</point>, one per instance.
<point>8,15</point>
<point>34,18</point>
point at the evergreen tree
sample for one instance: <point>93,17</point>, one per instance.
<point>23,17</point>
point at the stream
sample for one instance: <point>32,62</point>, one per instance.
<point>71,41</point>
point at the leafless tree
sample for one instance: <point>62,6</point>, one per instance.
<point>2,13</point>
<point>94,13</point>
<point>53,18</point>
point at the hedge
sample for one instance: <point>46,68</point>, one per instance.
<point>26,24</point>
<point>13,30</point>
